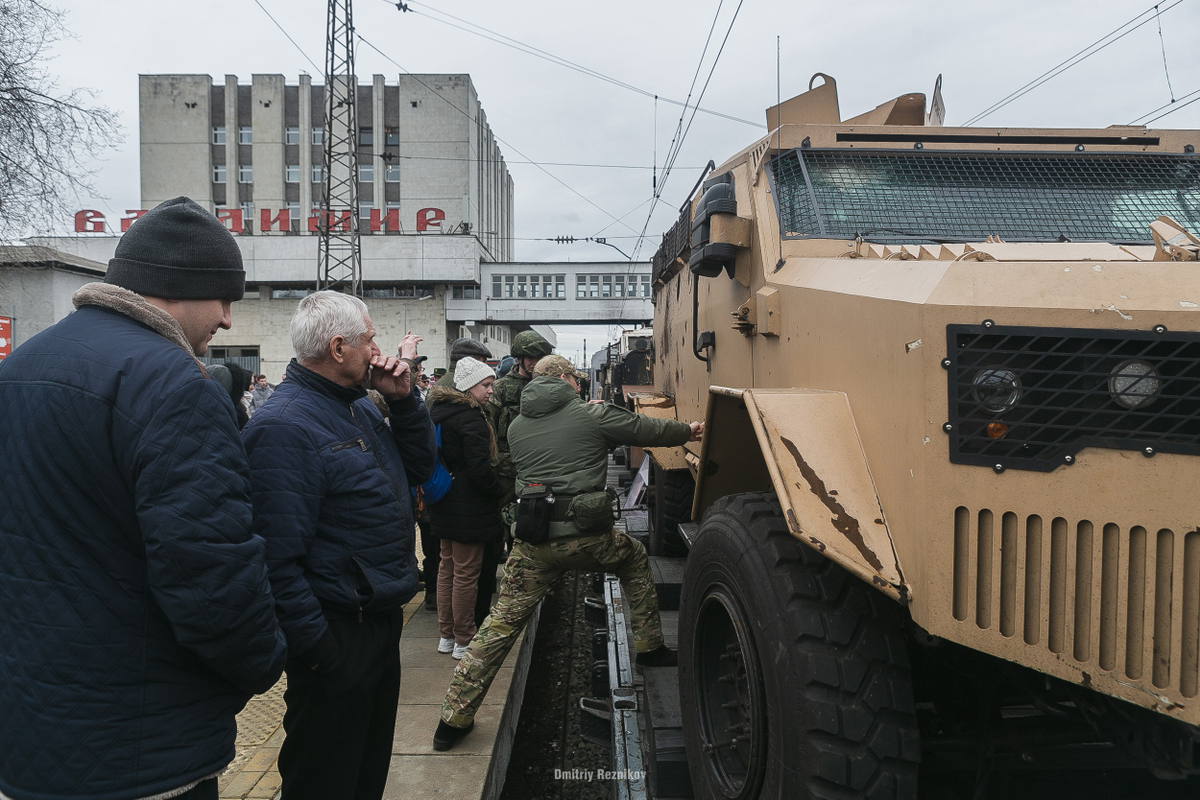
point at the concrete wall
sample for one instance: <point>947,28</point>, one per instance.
<point>263,323</point>
<point>36,298</point>
<point>175,123</point>
<point>266,110</point>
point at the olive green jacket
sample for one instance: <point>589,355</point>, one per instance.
<point>563,442</point>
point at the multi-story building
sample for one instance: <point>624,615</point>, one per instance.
<point>428,161</point>
<point>436,199</point>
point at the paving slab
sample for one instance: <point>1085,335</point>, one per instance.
<point>469,771</point>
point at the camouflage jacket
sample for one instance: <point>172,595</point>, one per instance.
<point>501,410</point>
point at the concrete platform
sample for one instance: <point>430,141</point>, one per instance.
<point>474,769</point>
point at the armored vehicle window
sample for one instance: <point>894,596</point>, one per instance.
<point>952,196</point>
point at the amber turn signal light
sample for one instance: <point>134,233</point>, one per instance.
<point>997,430</point>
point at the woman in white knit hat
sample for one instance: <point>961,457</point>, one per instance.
<point>467,519</point>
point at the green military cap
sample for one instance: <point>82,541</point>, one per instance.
<point>555,367</point>
<point>528,344</point>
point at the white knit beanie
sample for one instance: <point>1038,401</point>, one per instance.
<point>470,372</point>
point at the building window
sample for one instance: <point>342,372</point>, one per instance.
<point>391,136</point>
<point>218,173</point>
<point>391,173</point>
<point>291,173</point>
<point>522,291</point>
<point>245,136</point>
<point>290,294</point>
<point>291,136</point>
<point>508,285</point>
<point>496,284</point>
<point>293,210</point>
<point>218,135</point>
<point>366,173</point>
<point>245,173</point>
<point>467,292</point>
<point>645,285</point>
<point>560,286</point>
<point>318,136</point>
<point>580,287</point>
<point>318,173</point>
<point>247,214</point>
<point>364,210</point>
<point>366,137</point>
<point>606,285</point>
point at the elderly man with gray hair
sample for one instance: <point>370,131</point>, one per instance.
<point>331,498</point>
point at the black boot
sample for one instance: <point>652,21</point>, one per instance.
<point>447,735</point>
<point>660,656</point>
<point>431,601</point>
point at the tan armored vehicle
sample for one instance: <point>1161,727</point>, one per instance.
<point>946,506</point>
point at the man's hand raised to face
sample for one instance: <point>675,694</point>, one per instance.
<point>391,377</point>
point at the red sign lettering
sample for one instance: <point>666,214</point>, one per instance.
<point>392,220</point>
<point>6,344</point>
<point>89,222</point>
<point>284,218</point>
<point>335,220</point>
<point>430,216</point>
<point>233,216</point>
<point>127,221</point>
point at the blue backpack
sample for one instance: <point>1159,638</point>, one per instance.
<point>439,482</point>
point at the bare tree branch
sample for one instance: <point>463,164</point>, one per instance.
<point>49,140</point>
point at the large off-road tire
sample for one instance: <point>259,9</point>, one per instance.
<point>673,492</point>
<point>794,676</point>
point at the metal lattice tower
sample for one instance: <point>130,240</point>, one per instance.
<point>339,260</point>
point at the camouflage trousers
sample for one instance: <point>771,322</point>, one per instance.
<point>530,571</point>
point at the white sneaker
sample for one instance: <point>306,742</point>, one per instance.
<point>460,650</point>
<point>445,645</point>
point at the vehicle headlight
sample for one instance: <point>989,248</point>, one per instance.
<point>1134,384</point>
<point>996,390</point>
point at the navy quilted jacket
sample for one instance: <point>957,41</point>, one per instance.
<point>135,612</point>
<point>331,499</point>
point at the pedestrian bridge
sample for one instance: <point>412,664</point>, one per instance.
<point>532,293</point>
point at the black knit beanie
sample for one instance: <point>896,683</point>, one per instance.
<point>178,251</point>
<point>460,348</point>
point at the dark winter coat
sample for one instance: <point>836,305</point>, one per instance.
<point>331,498</point>
<point>470,510</point>
<point>135,615</point>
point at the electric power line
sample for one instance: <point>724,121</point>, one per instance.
<point>289,38</point>
<point>508,41</point>
<point>1138,120</point>
<point>1162,43</point>
<point>1112,36</point>
<point>670,161</point>
<point>551,175</point>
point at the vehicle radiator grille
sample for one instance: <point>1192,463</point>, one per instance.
<point>1123,600</point>
<point>1031,398</point>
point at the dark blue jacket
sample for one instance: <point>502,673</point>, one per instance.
<point>135,613</point>
<point>331,499</point>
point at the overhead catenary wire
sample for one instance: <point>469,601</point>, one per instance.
<point>1174,102</point>
<point>437,94</point>
<point>1163,45</point>
<point>1108,39</point>
<point>549,174</point>
<point>671,156</point>
<point>434,14</point>
<point>289,37</point>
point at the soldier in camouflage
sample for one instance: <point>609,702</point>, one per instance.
<point>561,442</point>
<point>505,406</point>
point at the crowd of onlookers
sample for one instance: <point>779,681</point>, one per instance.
<point>173,537</point>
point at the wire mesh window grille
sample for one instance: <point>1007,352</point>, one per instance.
<point>1031,398</point>
<point>952,196</point>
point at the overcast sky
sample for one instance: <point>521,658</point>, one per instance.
<point>548,113</point>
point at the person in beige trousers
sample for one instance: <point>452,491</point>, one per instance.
<point>467,519</point>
